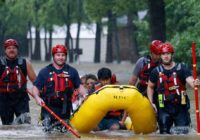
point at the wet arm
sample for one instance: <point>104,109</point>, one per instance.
<point>82,90</point>
<point>125,114</point>
<point>133,80</point>
<point>36,95</point>
<point>190,80</point>
<point>136,70</point>
<point>150,92</point>
<point>30,71</point>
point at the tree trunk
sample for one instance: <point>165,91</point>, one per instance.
<point>116,38</point>
<point>30,44</point>
<point>23,44</point>
<point>157,19</point>
<point>45,43</point>
<point>72,47</point>
<point>132,37</point>
<point>69,44</point>
<point>77,41</point>
<point>80,14</point>
<point>109,51</point>
<point>68,36</point>
<point>97,49</point>
<point>48,54</point>
<point>37,52</point>
<point>2,36</point>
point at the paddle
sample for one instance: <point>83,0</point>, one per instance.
<point>196,87</point>
<point>57,117</point>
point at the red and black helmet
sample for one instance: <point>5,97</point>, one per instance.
<point>10,42</point>
<point>59,49</point>
<point>166,48</point>
<point>155,46</point>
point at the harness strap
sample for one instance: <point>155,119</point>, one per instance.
<point>20,60</point>
<point>64,108</point>
<point>175,82</point>
<point>148,63</point>
<point>4,62</point>
<point>161,82</point>
<point>145,71</point>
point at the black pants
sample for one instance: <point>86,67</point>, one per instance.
<point>57,107</point>
<point>10,107</point>
<point>173,114</point>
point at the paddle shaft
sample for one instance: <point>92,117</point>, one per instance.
<point>58,118</point>
<point>195,87</point>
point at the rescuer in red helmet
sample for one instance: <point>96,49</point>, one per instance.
<point>14,70</point>
<point>168,81</point>
<point>144,65</point>
<point>54,86</point>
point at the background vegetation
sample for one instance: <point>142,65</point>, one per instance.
<point>174,21</point>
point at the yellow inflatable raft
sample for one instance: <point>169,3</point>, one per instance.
<point>115,97</point>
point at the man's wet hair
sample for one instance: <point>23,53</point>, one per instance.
<point>104,74</point>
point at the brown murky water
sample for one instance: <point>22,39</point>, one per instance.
<point>123,72</point>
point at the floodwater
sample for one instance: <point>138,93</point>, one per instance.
<point>123,72</point>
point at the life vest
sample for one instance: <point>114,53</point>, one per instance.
<point>114,113</point>
<point>13,78</point>
<point>144,73</point>
<point>114,79</point>
<point>170,86</point>
<point>58,86</point>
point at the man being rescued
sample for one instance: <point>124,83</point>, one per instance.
<point>113,119</point>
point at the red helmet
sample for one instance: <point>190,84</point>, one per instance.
<point>10,42</point>
<point>155,46</point>
<point>167,48</point>
<point>59,49</point>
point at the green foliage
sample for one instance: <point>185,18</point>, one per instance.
<point>143,36</point>
<point>97,9</point>
<point>183,28</point>
<point>182,44</point>
<point>47,14</point>
<point>182,19</point>
<point>177,16</point>
<point>123,7</point>
<point>13,17</point>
